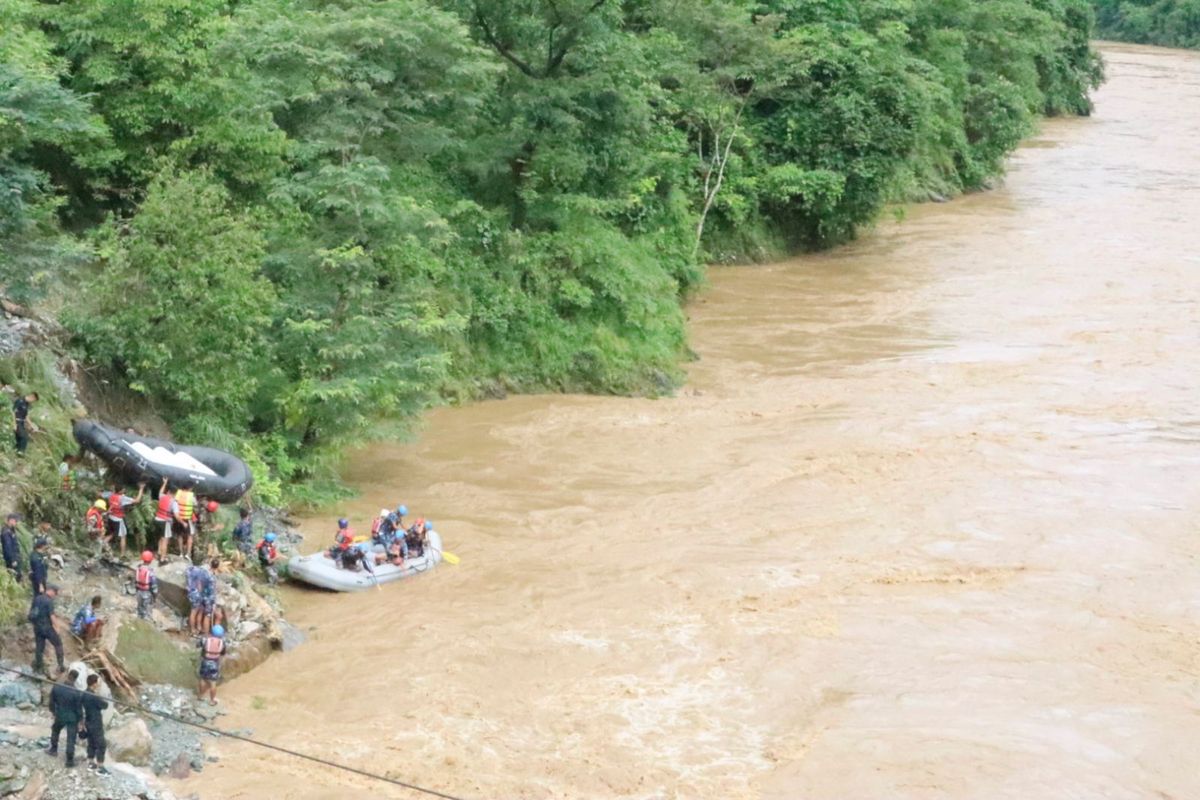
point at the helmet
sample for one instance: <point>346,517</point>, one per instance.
<point>270,537</point>
<point>100,504</point>
<point>218,631</point>
<point>383,512</point>
<point>41,542</point>
<point>147,556</point>
<point>428,525</point>
<point>402,510</point>
<point>212,506</point>
<point>343,523</point>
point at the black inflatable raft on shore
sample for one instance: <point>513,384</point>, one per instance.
<point>211,473</point>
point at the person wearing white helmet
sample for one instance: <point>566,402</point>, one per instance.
<point>212,649</point>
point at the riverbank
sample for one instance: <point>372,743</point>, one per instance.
<point>919,525</point>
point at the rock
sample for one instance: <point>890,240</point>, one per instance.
<point>248,629</point>
<point>180,767</point>
<point>36,788</point>
<point>17,693</point>
<point>131,743</point>
<point>197,764</point>
<point>11,779</point>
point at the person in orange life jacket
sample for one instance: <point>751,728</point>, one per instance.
<point>87,623</point>
<point>212,648</point>
<point>267,555</point>
<point>96,528</point>
<point>342,540</point>
<point>164,518</point>
<point>185,519</point>
<point>117,503</point>
<point>11,546</point>
<point>146,584</point>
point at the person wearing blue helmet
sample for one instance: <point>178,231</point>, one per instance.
<point>212,649</point>
<point>267,556</point>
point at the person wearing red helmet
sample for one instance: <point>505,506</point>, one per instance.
<point>146,584</point>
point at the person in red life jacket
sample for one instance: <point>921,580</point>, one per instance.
<point>164,519</point>
<point>146,584</point>
<point>94,524</point>
<point>267,555</point>
<point>117,503</point>
<point>212,649</point>
<point>343,539</point>
<point>185,519</point>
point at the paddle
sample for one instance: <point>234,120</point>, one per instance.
<point>450,557</point>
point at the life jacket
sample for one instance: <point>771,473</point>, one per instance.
<point>187,504</point>
<point>95,520</point>
<point>212,648</point>
<point>143,577</point>
<point>116,509</point>
<point>375,526</point>
<point>344,539</point>
<point>164,507</point>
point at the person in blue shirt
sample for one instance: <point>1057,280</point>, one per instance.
<point>10,545</point>
<point>87,623</point>
<point>243,533</point>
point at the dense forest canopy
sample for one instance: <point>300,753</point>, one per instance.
<point>1172,23</point>
<point>295,223</point>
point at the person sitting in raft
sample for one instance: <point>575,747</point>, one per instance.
<point>417,536</point>
<point>87,623</point>
<point>357,558</point>
<point>343,540</point>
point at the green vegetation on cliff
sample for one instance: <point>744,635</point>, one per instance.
<point>1171,23</point>
<point>295,223</point>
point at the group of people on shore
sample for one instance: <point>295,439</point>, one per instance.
<point>390,542</point>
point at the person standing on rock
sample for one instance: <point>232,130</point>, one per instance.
<point>93,718</point>
<point>147,586</point>
<point>66,704</point>
<point>243,534</point>
<point>42,617</point>
<point>212,649</point>
<point>38,570</point>
<point>10,545</point>
<point>21,423</point>
<point>164,519</point>
<point>117,503</point>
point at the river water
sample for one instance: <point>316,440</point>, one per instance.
<point>922,524</point>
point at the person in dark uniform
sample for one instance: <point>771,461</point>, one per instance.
<point>41,615</point>
<point>93,718</point>
<point>21,423</point>
<point>38,569</point>
<point>10,546</point>
<point>66,704</point>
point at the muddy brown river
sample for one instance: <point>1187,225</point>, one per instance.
<point>922,524</point>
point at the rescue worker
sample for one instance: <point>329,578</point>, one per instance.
<point>93,523</point>
<point>396,551</point>
<point>66,472</point>
<point>38,570</point>
<point>185,519</point>
<point>21,423</point>
<point>206,525</point>
<point>417,537</point>
<point>11,546</point>
<point>66,704</point>
<point>93,719</point>
<point>87,623</point>
<point>146,584</point>
<point>212,648</point>
<point>199,594</point>
<point>377,523</point>
<point>267,555</point>
<point>117,503</point>
<point>243,533</point>
<point>164,518</point>
<point>344,537</point>
<point>43,619</point>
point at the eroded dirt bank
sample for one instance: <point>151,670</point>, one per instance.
<point>922,525</point>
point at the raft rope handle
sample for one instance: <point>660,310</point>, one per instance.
<point>412,787</point>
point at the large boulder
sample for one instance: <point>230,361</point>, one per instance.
<point>19,692</point>
<point>131,743</point>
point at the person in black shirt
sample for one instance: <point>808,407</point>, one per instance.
<point>42,617</point>
<point>21,423</point>
<point>66,704</point>
<point>93,707</point>
<point>10,546</point>
<point>38,570</point>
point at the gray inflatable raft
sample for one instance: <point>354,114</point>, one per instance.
<point>323,572</point>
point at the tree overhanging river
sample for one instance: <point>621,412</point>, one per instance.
<point>921,525</point>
